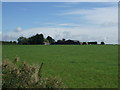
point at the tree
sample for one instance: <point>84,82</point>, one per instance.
<point>11,42</point>
<point>102,43</point>
<point>22,40</point>
<point>63,39</point>
<point>50,39</point>
<point>14,42</point>
<point>45,40</point>
<point>37,39</point>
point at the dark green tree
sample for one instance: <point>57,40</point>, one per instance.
<point>22,40</point>
<point>50,39</point>
<point>102,43</point>
<point>14,42</point>
<point>63,39</point>
<point>37,39</point>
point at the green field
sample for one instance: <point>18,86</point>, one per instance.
<point>79,66</point>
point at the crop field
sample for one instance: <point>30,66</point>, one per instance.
<point>79,66</point>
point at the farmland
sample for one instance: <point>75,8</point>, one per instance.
<point>79,66</point>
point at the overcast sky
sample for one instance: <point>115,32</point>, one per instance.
<point>83,21</point>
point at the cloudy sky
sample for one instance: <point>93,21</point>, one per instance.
<point>83,21</point>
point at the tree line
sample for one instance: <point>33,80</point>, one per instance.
<point>40,39</point>
<point>36,39</point>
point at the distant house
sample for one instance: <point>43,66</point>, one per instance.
<point>88,43</point>
<point>84,43</point>
<point>73,42</point>
<point>67,42</point>
<point>46,43</point>
<point>92,43</point>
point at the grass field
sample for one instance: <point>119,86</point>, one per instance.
<point>79,66</point>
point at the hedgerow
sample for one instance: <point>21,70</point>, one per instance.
<point>18,74</point>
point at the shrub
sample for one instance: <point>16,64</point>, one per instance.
<point>18,74</point>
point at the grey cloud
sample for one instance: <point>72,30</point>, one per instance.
<point>109,35</point>
<point>18,29</point>
<point>67,34</point>
<point>8,38</point>
<point>108,24</point>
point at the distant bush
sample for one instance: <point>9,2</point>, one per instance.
<point>18,74</point>
<point>102,43</point>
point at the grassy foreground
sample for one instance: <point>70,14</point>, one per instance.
<point>79,66</point>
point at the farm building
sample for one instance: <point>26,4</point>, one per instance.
<point>46,43</point>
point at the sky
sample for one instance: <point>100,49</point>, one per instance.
<point>60,0</point>
<point>83,21</point>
